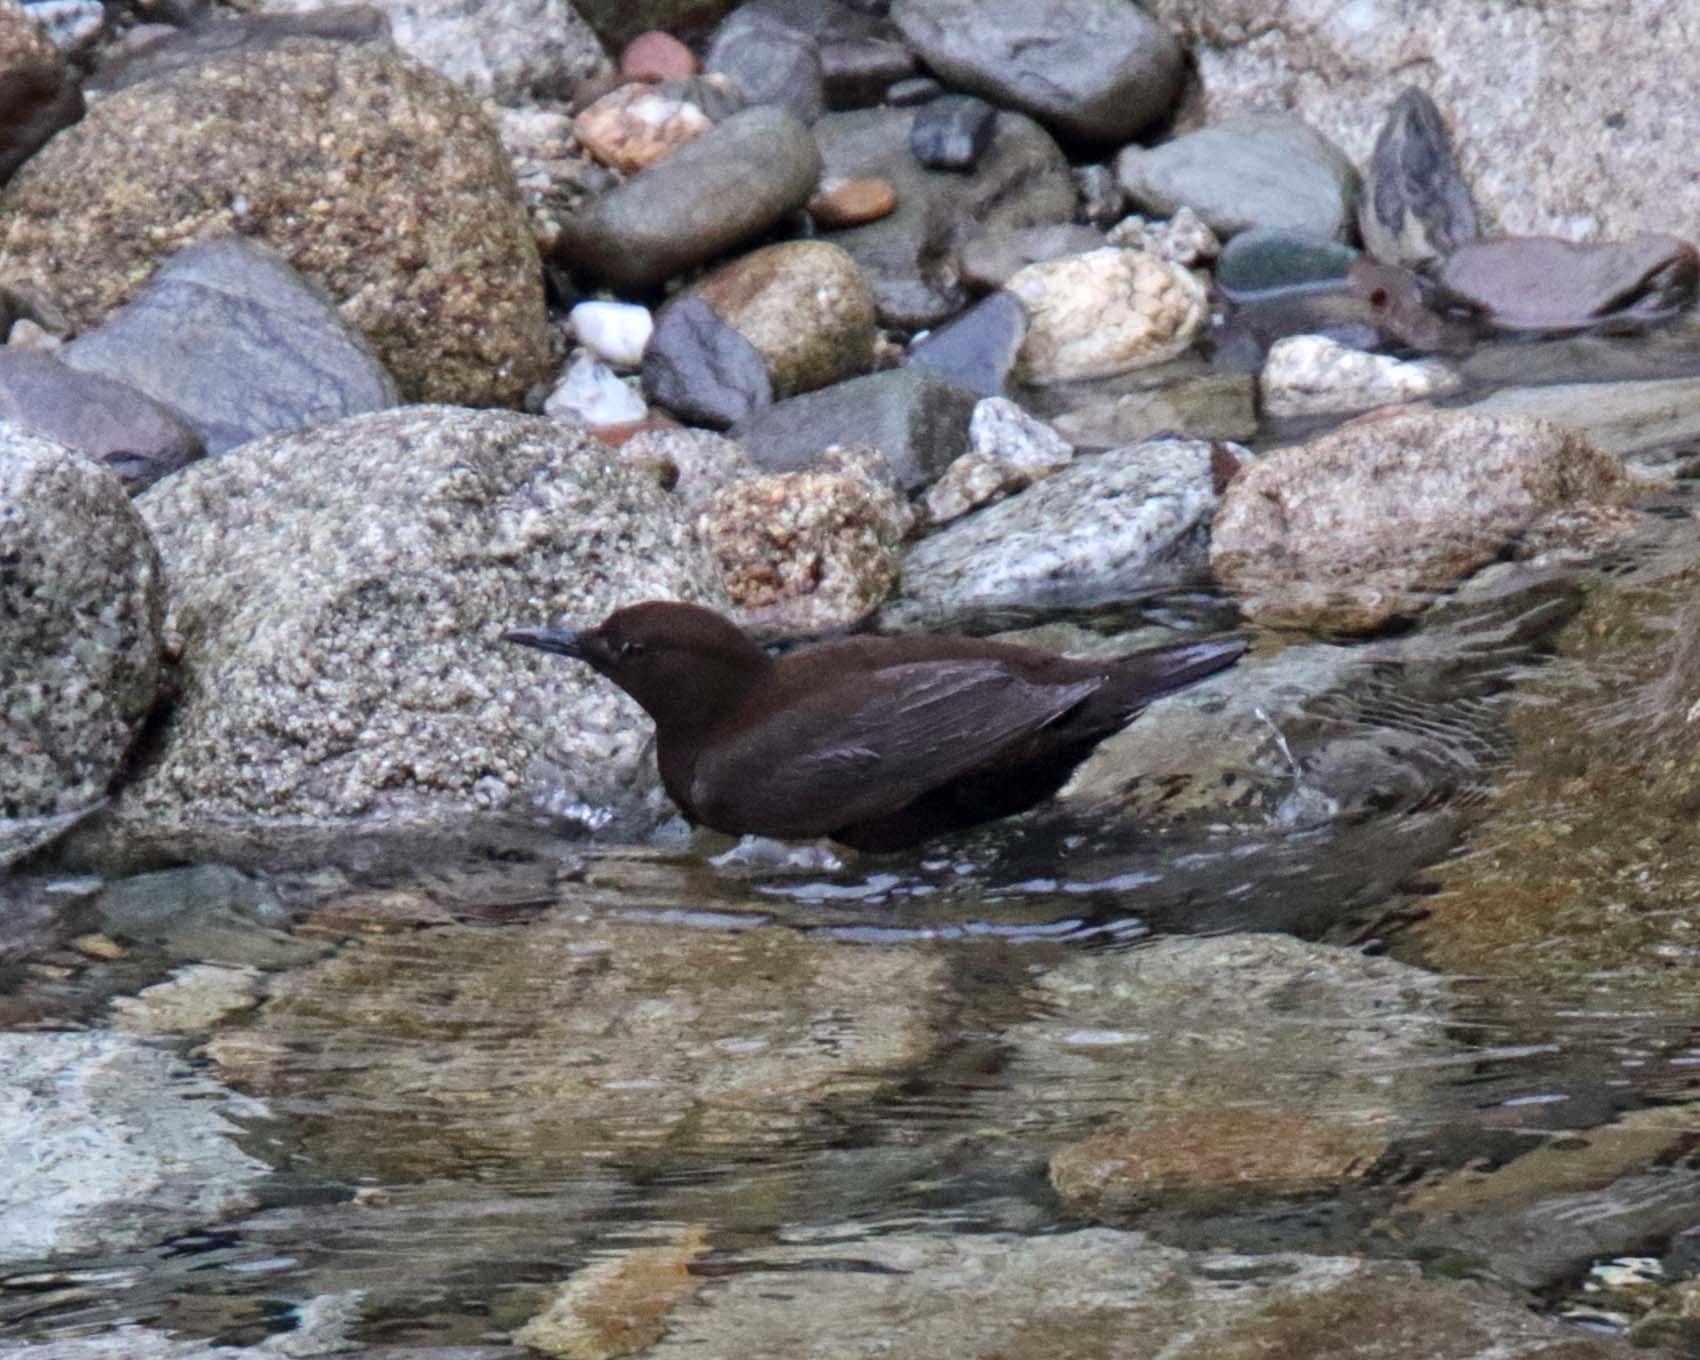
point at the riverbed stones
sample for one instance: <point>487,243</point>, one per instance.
<point>1114,522</point>
<point>591,393</point>
<point>703,370</point>
<point>615,332</point>
<point>1008,450</point>
<point>38,95</point>
<point>704,461</point>
<point>338,671</point>
<point>228,334</point>
<point>81,633</point>
<point>635,126</point>
<point>512,51</point>
<point>1093,70</point>
<point>1532,283</point>
<point>991,259</point>
<point>805,307</point>
<point>1312,375</point>
<point>1416,208</point>
<point>1105,312</point>
<point>1374,520</point>
<point>1022,179</point>
<point>717,191</point>
<point>1261,170</point>
<point>617,22</point>
<point>1111,412</point>
<point>446,286</point>
<point>952,132</point>
<point>1182,238</point>
<point>805,553</point>
<point>916,419</point>
<point>771,61</point>
<point>109,421</point>
<point>622,1041</point>
<point>655,56</point>
<point>978,349</point>
<point>1268,261</point>
<point>851,203</point>
<point>109,1144</point>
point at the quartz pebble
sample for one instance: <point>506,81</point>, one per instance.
<point>592,393</point>
<point>1311,375</point>
<point>615,332</point>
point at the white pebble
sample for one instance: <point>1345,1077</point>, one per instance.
<point>615,332</point>
<point>592,393</point>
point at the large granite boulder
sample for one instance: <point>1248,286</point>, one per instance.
<point>380,180</point>
<point>336,600</point>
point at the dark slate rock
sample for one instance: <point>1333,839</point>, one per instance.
<point>1098,70</point>
<point>1102,201</point>
<point>915,418</point>
<point>991,258</point>
<point>138,438</point>
<point>857,74</point>
<point>1266,261</point>
<point>1416,208</point>
<point>952,132</point>
<point>823,20</point>
<point>716,192</point>
<point>978,349</point>
<point>701,369</point>
<point>908,256</point>
<point>772,63</point>
<point>228,334</point>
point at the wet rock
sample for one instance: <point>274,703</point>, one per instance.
<point>856,73</point>
<point>1544,284</point>
<point>1090,316</point>
<point>111,1144</point>
<point>703,370</point>
<point>618,1305</point>
<point>195,999</point>
<point>38,95</point>
<point>72,26</point>
<point>1310,374</point>
<point>705,461</point>
<point>355,673</point>
<point>512,51</point>
<point>656,56</point>
<point>1266,260</point>
<point>805,307</point>
<point>1101,197</point>
<point>555,174</point>
<point>1416,208</point>
<point>635,126</point>
<point>1223,173</point>
<point>1651,421</point>
<point>615,332</point>
<point>1091,69</point>
<point>1098,1294</point>
<point>805,552</point>
<point>259,144</point>
<point>81,633</point>
<point>111,422</point>
<point>772,62</point>
<point>1008,450</point>
<point>1181,239</point>
<point>851,203</point>
<point>231,336</point>
<point>1375,519</point>
<point>1200,1041</point>
<point>1134,517</point>
<point>594,395</point>
<point>618,1040</point>
<point>170,51</point>
<point>1021,180</point>
<point>731,183</point>
<point>1111,412</point>
<point>952,132</point>
<point>978,350</point>
<point>617,22</point>
<point>991,259</point>
<point>916,419</point>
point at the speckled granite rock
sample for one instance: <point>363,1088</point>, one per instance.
<point>228,334</point>
<point>1132,517</point>
<point>514,51</point>
<point>445,282</point>
<point>339,670</point>
<point>805,552</point>
<point>37,93</point>
<point>1375,519</point>
<point>806,308</point>
<point>703,460</point>
<point>1008,450</point>
<point>1311,374</point>
<point>1105,312</point>
<point>80,633</point>
<point>108,1143</point>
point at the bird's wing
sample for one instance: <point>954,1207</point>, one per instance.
<point>871,743</point>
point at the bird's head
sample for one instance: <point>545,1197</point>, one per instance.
<point>681,662</point>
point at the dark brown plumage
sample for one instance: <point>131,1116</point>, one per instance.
<point>879,742</point>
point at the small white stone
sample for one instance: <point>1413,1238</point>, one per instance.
<point>1311,374</point>
<point>615,332</point>
<point>1001,429</point>
<point>593,394</point>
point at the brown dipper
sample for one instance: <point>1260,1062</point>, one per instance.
<point>878,742</point>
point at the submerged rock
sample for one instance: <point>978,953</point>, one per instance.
<point>1311,374</point>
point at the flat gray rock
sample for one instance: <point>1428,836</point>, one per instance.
<point>1098,70</point>
<point>978,349</point>
<point>1262,170</point>
<point>771,61</point>
<point>231,336</point>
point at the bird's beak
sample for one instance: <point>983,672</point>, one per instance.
<point>564,641</point>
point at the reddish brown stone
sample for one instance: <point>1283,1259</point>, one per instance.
<point>851,202</point>
<point>657,56</point>
<point>637,125</point>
